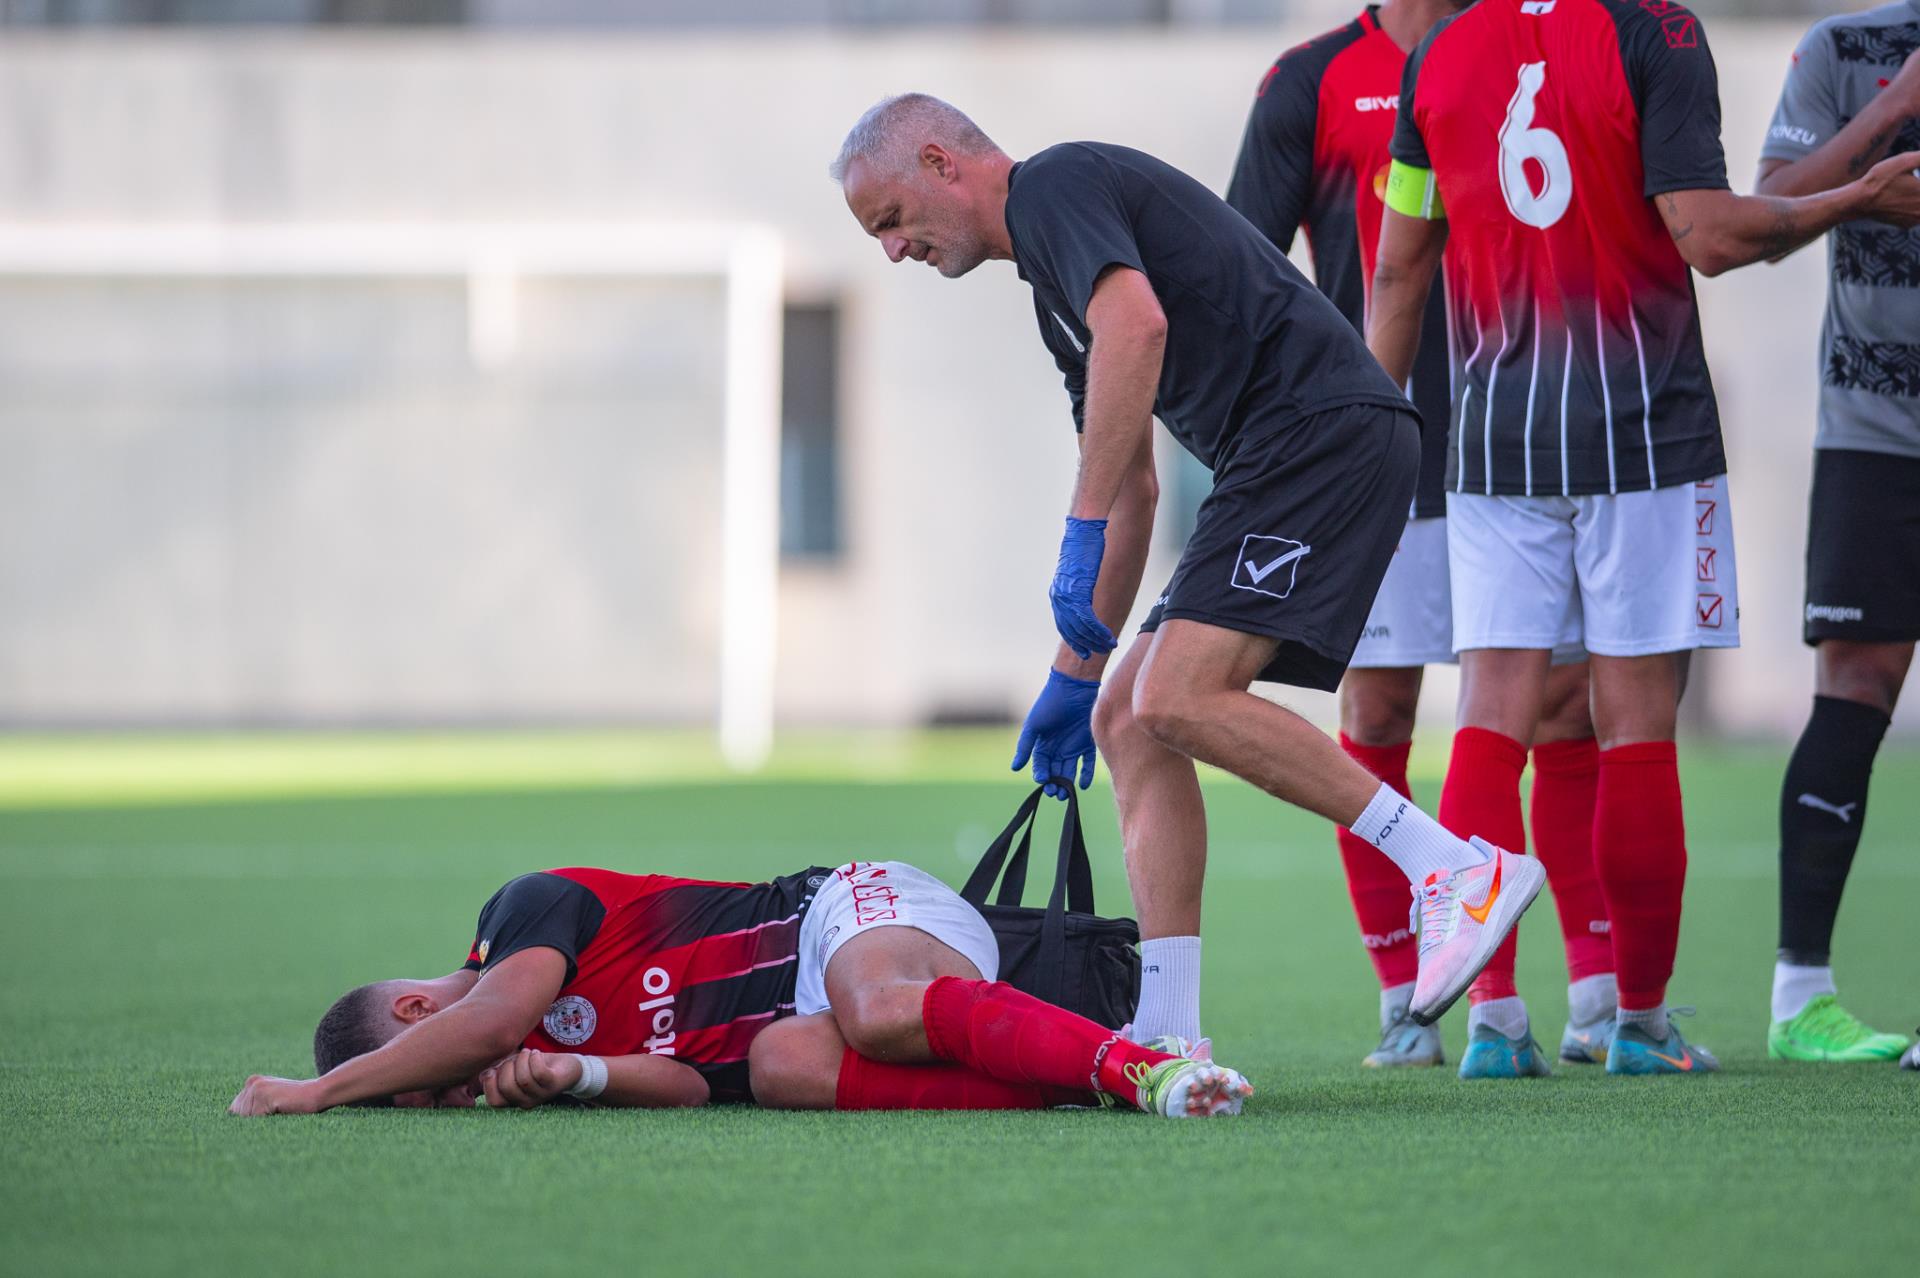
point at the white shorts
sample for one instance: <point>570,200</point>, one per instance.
<point>1412,619</point>
<point>1625,574</point>
<point>864,895</point>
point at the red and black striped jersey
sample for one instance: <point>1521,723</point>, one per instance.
<point>1550,126</point>
<point>677,967</point>
<point>1314,158</point>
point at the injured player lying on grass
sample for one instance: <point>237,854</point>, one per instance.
<point>867,987</point>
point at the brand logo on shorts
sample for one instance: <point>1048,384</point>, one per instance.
<point>826,944</point>
<point>1835,612</point>
<point>570,1021</point>
<point>1268,565</point>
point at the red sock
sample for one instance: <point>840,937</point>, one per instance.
<point>866,1084</point>
<point>1640,851</point>
<point>1482,796</point>
<point>1378,888</point>
<point>1565,776</point>
<point>994,1029</point>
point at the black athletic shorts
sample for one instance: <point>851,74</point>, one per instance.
<point>1863,548</point>
<point>1296,535</point>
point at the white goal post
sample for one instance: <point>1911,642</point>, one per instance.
<point>491,258</point>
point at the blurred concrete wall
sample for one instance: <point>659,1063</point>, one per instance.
<point>523,550</point>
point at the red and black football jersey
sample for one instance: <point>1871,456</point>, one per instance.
<point>676,967</point>
<point>1314,157</point>
<point>1550,126</point>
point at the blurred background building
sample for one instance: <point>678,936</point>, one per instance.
<point>510,361</point>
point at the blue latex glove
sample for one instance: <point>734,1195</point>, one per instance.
<point>1072,592</point>
<point>1058,733</point>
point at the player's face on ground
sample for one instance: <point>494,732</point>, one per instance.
<point>411,1003</point>
<point>927,215</point>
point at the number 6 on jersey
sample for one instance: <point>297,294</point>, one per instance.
<point>1520,142</point>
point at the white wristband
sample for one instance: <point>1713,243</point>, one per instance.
<point>593,1078</point>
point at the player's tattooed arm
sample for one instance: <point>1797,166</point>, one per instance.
<point>1717,231</point>
<point>1673,218</point>
<point>1855,148</point>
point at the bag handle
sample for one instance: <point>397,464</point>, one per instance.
<point>980,882</point>
<point>1073,872</point>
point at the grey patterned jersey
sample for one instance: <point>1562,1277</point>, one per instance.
<point>1870,344</point>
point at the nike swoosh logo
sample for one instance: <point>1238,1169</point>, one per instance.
<point>1685,1062</point>
<point>1493,894</point>
<point>1261,574</point>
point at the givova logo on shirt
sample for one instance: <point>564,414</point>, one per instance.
<point>1269,565</point>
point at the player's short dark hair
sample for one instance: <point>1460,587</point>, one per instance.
<point>355,1025</point>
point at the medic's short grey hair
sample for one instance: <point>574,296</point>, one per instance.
<point>889,136</point>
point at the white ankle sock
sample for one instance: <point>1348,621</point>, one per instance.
<point>1411,839</point>
<point>1794,986</point>
<point>1505,1015</point>
<point>1652,1021</point>
<point>1592,997</point>
<point>1169,989</point>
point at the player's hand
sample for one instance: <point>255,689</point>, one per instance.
<point>1081,550</point>
<point>1893,192</point>
<point>266,1095</point>
<point>1058,733</point>
<point>528,1078</point>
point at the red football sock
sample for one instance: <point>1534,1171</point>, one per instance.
<point>866,1084</point>
<point>1640,851</point>
<point>1378,888</point>
<point>1565,776</point>
<point>1482,796</point>
<point>994,1029</point>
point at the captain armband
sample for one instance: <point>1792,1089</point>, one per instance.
<point>1414,193</point>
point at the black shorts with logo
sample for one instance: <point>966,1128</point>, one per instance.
<point>1295,537</point>
<point>1863,548</point>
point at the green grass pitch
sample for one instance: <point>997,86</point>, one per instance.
<point>176,913</point>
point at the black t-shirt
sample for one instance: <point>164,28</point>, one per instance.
<point>1251,345</point>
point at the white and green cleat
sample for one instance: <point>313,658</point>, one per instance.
<point>1199,1049</point>
<point>1181,1088</point>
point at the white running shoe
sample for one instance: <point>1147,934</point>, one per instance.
<point>1461,919</point>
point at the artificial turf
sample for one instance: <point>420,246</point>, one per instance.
<point>176,915</point>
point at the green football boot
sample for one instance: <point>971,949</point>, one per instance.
<point>1826,1031</point>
